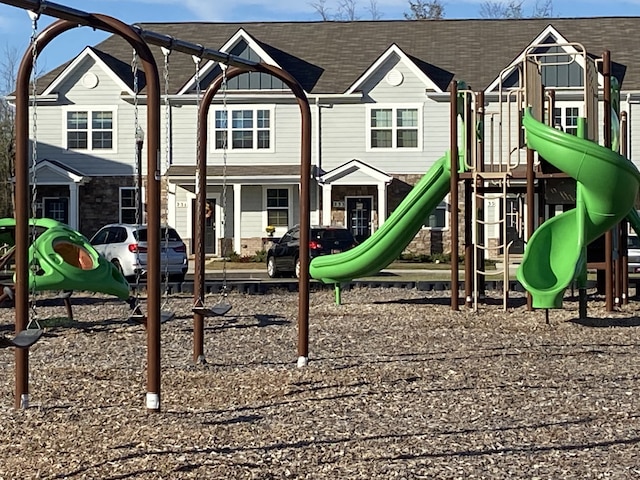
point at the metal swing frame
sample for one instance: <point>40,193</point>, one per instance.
<point>223,306</point>
<point>26,336</point>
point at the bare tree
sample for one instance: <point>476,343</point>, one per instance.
<point>514,9</point>
<point>374,11</point>
<point>8,69</point>
<point>543,9</point>
<point>347,10</point>
<point>321,9</point>
<point>425,10</point>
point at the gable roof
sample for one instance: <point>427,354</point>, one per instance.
<point>119,71</point>
<point>328,57</point>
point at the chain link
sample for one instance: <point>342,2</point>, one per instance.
<point>225,108</point>
<point>167,162</point>
<point>138,160</point>
<point>35,265</point>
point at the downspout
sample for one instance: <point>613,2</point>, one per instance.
<point>318,163</point>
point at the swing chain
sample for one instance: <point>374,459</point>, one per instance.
<point>165,216</point>
<point>138,161</point>
<point>34,266</point>
<point>224,182</point>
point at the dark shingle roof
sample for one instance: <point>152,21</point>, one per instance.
<point>328,57</point>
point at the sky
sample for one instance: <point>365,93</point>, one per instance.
<point>16,26</point>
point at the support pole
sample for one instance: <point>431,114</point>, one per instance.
<point>608,239</point>
<point>453,140</point>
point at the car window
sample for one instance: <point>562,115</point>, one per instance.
<point>165,234</point>
<point>337,234</point>
<point>286,238</point>
<point>119,235</point>
<point>633,241</point>
<point>295,234</point>
<point>100,237</point>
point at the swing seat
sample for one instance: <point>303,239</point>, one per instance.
<point>24,338</point>
<point>139,317</point>
<point>217,310</point>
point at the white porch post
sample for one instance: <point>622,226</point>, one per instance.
<point>237,216</point>
<point>382,203</point>
<point>73,205</point>
<point>326,203</point>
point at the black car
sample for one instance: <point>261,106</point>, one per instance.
<point>284,255</point>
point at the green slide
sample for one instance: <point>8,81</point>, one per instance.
<point>607,184</point>
<point>386,244</point>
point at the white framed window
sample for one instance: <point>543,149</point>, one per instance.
<point>277,202</point>
<point>244,128</point>
<point>91,129</point>
<point>438,218</point>
<point>128,205</point>
<point>565,116</point>
<point>394,127</point>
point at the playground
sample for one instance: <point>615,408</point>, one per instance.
<point>398,386</point>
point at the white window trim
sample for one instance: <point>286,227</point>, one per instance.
<point>265,218</point>
<point>143,195</point>
<point>447,217</point>
<point>89,109</point>
<point>563,106</point>
<point>394,107</point>
<point>254,108</point>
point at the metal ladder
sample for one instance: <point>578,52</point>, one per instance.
<point>501,178</point>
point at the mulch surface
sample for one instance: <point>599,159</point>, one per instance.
<point>397,386</point>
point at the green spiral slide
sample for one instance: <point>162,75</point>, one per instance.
<point>607,184</point>
<point>386,244</point>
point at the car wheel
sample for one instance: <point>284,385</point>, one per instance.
<point>297,268</point>
<point>118,267</point>
<point>177,278</point>
<point>272,270</point>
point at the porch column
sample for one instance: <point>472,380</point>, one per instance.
<point>73,205</point>
<point>326,203</point>
<point>382,203</point>
<point>237,216</point>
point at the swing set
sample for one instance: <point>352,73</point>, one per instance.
<point>139,39</point>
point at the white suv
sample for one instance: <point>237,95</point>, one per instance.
<point>125,245</point>
<point>633,251</point>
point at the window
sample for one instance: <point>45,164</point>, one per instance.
<point>128,205</point>
<point>438,217</point>
<point>89,130</point>
<point>249,129</point>
<point>394,127</point>
<point>278,207</point>
<point>567,119</point>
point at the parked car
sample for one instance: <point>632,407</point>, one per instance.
<point>284,256</point>
<point>125,245</point>
<point>633,252</point>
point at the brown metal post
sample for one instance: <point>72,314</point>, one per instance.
<point>109,24</point>
<point>624,231</point>
<point>531,199</point>
<point>305,203</point>
<point>608,239</point>
<point>453,141</point>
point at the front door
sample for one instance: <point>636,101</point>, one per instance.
<point>209,226</point>
<point>56,209</point>
<point>359,217</point>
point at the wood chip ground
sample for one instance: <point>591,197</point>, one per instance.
<point>398,386</point>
